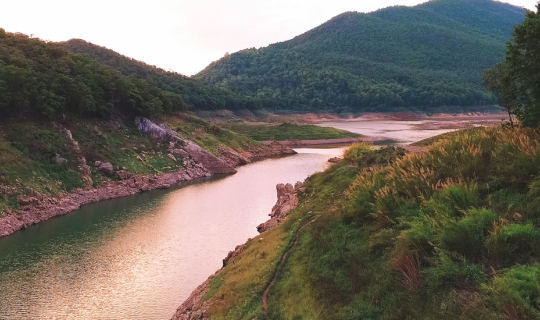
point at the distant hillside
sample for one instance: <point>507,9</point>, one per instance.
<point>423,58</point>
<point>41,79</point>
<point>195,93</point>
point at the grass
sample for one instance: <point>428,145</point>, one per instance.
<point>431,140</point>
<point>27,149</point>
<point>212,137</point>
<point>287,131</point>
<point>450,233</point>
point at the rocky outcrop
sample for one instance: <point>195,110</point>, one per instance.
<point>212,163</point>
<point>194,308</point>
<point>160,132</point>
<point>233,254</point>
<point>84,169</point>
<point>288,199</point>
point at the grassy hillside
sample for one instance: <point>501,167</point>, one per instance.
<point>449,234</point>
<point>29,149</point>
<point>425,58</point>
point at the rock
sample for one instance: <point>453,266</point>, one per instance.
<point>106,168</point>
<point>232,157</point>
<point>268,225</point>
<point>97,163</point>
<point>287,200</point>
<point>233,254</point>
<point>58,159</point>
<point>123,174</point>
<point>171,157</point>
<point>160,132</point>
<point>179,152</point>
<point>212,163</point>
<point>85,170</point>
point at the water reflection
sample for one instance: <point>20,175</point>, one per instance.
<point>140,257</point>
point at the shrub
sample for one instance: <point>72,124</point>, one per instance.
<point>514,244</point>
<point>467,236</point>
<point>357,151</point>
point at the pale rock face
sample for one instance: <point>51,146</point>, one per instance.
<point>160,132</point>
<point>288,199</point>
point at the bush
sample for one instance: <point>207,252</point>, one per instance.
<point>467,236</point>
<point>357,151</point>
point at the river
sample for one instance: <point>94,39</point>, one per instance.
<point>140,257</point>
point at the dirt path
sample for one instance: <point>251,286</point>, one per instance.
<point>279,267</point>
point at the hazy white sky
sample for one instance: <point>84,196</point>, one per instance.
<point>181,35</point>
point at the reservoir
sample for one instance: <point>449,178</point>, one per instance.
<point>140,257</point>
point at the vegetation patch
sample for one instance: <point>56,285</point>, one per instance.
<point>450,233</point>
<point>287,131</point>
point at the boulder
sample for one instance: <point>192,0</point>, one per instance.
<point>106,168</point>
<point>171,157</point>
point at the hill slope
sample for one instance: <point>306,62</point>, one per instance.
<point>419,58</point>
<point>195,93</point>
<point>42,79</point>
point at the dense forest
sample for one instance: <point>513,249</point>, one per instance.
<point>425,58</point>
<point>196,94</point>
<point>41,79</point>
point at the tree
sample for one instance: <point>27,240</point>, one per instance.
<point>498,80</point>
<point>523,63</point>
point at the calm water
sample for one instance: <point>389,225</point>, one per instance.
<point>140,257</point>
<point>403,132</point>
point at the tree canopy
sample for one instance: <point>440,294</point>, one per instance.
<point>43,80</point>
<point>517,80</point>
<point>425,58</point>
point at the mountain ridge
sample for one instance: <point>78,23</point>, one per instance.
<point>451,40</point>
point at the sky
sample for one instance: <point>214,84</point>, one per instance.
<point>181,35</point>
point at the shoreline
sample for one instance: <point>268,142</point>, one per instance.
<point>39,208</point>
<point>318,142</point>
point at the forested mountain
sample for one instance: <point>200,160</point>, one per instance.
<point>195,93</point>
<point>41,79</point>
<point>423,58</point>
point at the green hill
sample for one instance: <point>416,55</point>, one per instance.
<point>41,79</point>
<point>424,58</point>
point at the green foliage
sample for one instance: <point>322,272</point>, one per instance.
<point>517,291</point>
<point>357,151</point>
<point>41,79</point>
<point>449,233</point>
<point>195,94</point>
<point>287,131</point>
<point>425,58</point>
<point>524,64</point>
